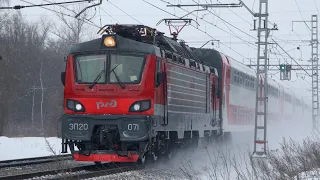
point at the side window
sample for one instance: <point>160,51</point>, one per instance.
<point>157,71</point>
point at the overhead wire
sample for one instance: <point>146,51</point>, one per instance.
<point>109,14</point>
<point>292,58</point>
<point>194,27</point>
<point>251,24</point>
<point>219,27</point>
<point>63,7</point>
<point>301,15</point>
<point>238,14</point>
<point>100,16</point>
<point>125,12</point>
<point>246,21</point>
<point>234,34</point>
<point>41,5</point>
<point>223,21</point>
<point>251,36</point>
<point>86,20</point>
<point>202,30</point>
<point>317,8</point>
<point>99,13</point>
<point>241,42</point>
<point>216,25</point>
<point>74,11</point>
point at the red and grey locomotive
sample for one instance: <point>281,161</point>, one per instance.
<point>135,94</point>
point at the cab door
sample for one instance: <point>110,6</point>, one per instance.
<point>160,92</point>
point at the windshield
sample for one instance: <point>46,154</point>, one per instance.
<point>129,68</point>
<point>89,67</point>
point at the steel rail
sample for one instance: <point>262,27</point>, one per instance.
<point>85,171</point>
<point>35,160</point>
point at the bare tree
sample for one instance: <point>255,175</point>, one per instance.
<point>4,2</point>
<point>72,30</point>
<point>22,45</point>
<point>31,94</point>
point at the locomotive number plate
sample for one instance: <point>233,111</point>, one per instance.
<point>75,126</point>
<point>133,127</point>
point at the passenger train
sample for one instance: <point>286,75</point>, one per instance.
<point>135,94</point>
<point>238,84</point>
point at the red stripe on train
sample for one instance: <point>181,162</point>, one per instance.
<point>105,158</point>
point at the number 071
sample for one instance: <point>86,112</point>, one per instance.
<point>133,127</point>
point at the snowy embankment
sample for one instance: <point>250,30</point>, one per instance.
<point>28,147</point>
<point>214,162</point>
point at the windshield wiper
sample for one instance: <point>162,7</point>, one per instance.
<point>96,79</point>
<point>102,72</point>
<point>117,77</point>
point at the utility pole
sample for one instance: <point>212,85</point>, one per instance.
<point>260,127</point>
<point>261,107</point>
<point>315,77</point>
<point>315,69</point>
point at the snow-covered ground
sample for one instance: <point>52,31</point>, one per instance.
<point>201,163</point>
<point>27,147</point>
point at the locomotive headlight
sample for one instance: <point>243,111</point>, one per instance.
<point>78,107</point>
<point>136,107</point>
<point>109,41</point>
<point>140,106</point>
<point>75,106</point>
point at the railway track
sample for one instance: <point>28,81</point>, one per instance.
<point>101,172</point>
<point>31,161</point>
<point>79,172</point>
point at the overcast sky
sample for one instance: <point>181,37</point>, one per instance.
<point>233,42</point>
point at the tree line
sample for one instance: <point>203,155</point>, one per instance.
<point>32,58</point>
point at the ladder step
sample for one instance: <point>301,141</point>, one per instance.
<point>261,113</point>
<point>260,127</point>
<point>261,43</point>
<point>261,98</point>
<point>260,153</point>
<point>260,142</point>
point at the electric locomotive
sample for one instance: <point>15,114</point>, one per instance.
<point>135,94</point>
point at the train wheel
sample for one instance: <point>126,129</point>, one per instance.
<point>152,158</point>
<point>169,155</point>
<point>170,151</point>
<point>142,159</point>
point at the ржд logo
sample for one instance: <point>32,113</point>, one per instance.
<point>112,103</point>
